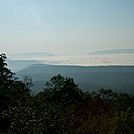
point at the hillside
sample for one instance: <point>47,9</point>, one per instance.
<point>16,65</point>
<point>92,78</point>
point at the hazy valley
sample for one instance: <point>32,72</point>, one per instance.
<point>91,72</point>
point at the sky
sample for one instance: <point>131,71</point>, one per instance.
<point>66,26</point>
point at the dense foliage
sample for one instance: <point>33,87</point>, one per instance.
<point>62,108</point>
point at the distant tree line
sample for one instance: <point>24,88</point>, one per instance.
<point>61,108</point>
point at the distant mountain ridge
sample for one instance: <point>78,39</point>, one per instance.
<point>16,65</point>
<point>89,78</point>
<point>45,68</point>
<point>114,51</point>
<point>30,55</point>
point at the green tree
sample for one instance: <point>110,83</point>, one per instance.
<point>58,103</point>
<point>60,89</point>
<point>11,90</point>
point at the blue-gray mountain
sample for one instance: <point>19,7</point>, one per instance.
<point>115,51</point>
<point>16,65</point>
<point>92,78</point>
<point>30,55</point>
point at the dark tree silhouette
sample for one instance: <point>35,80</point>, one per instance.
<point>11,90</point>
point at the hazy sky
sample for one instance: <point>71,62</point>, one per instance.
<point>66,26</point>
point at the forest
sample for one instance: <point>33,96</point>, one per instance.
<point>61,108</point>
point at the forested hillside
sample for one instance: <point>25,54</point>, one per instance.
<point>89,78</point>
<point>61,108</point>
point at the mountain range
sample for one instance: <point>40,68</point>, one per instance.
<point>30,55</point>
<point>114,51</point>
<point>92,78</point>
<point>89,78</point>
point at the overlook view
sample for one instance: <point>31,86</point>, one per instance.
<point>66,67</point>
